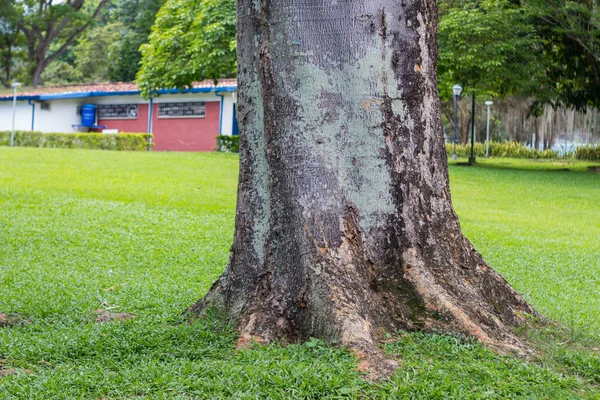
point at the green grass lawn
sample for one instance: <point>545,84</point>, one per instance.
<point>147,233</point>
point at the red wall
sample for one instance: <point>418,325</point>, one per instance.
<point>139,125</point>
<point>174,134</point>
<point>187,134</point>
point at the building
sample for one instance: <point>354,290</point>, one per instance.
<point>180,120</point>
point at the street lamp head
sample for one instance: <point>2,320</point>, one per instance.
<point>489,103</point>
<point>15,84</point>
<point>457,89</point>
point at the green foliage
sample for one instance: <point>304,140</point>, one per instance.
<point>501,149</point>
<point>62,72</point>
<point>148,233</point>
<point>48,29</point>
<point>11,41</point>
<point>443,367</point>
<point>228,144</point>
<point>489,47</point>
<point>192,40</point>
<point>110,51</point>
<point>570,30</point>
<point>96,52</point>
<point>89,59</point>
<point>589,152</point>
<point>127,58</point>
<point>98,141</point>
<point>137,18</point>
<point>99,41</point>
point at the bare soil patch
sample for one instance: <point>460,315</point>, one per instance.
<point>103,315</point>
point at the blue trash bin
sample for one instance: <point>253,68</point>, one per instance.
<point>88,115</point>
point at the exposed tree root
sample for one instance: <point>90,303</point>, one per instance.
<point>353,313</point>
<point>372,361</point>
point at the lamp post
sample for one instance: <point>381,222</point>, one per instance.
<point>472,156</point>
<point>14,85</point>
<point>457,90</point>
<point>487,135</point>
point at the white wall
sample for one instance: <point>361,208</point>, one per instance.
<point>22,116</point>
<point>227,123</point>
<point>60,118</point>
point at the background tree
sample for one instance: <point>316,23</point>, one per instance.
<point>490,47</point>
<point>571,34</point>
<point>191,40</point>
<point>96,53</point>
<point>110,50</point>
<point>87,61</point>
<point>344,223</point>
<point>51,28</point>
<point>136,18</point>
<point>10,41</point>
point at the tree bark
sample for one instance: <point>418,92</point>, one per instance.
<point>344,224</point>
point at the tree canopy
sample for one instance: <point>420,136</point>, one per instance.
<point>44,30</point>
<point>191,40</point>
<point>11,41</point>
<point>99,40</point>
<point>490,48</point>
<point>570,31</point>
<point>545,50</point>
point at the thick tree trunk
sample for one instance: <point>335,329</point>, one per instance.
<point>344,225</point>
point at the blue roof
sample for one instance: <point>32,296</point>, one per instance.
<point>78,95</point>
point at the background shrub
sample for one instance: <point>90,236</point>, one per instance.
<point>588,152</point>
<point>228,144</point>
<point>501,149</point>
<point>88,140</point>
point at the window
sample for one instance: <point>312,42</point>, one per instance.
<point>117,111</point>
<point>182,110</point>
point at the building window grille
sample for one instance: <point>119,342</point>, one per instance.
<point>182,110</point>
<point>117,111</point>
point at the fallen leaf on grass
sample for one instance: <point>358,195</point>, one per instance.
<point>13,371</point>
<point>4,319</point>
<point>46,363</point>
<point>103,315</point>
<point>10,320</point>
<point>113,287</point>
<point>7,372</point>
